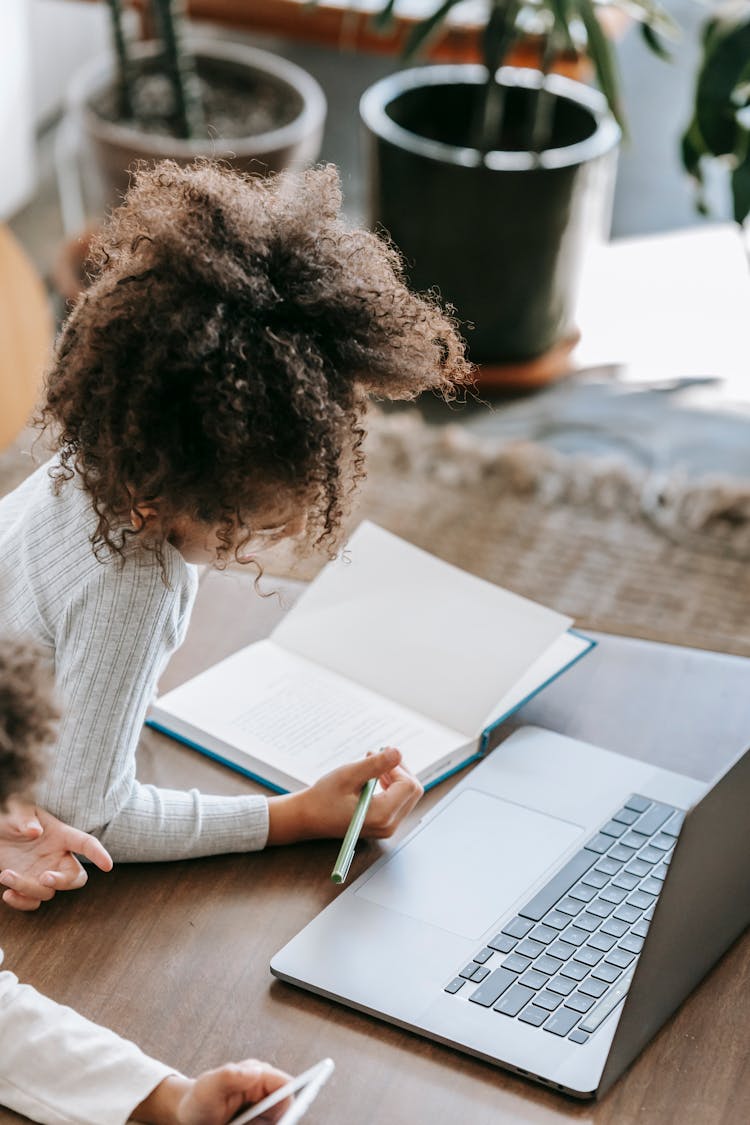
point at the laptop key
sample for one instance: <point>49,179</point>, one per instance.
<point>557,920</point>
<point>638,868</point>
<point>620,957</point>
<point>579,1003</point>
<point>584,893</point>
<point>651,855</point>
<point>606,972</point>
<point>613,894</point>
<point>613,828</point>
<point>518,928</point>
<point>588,956</point>
<point>601,908</point>
<point>547,964</point>
<point>562,1021</point>
<point>626,816</point>
<point>599,844</point>
<point>516,963</point>
<point>493,987</point>
<point>501,943</point>
<point>454,985</point>
<point>634,839</point>
<point>468,971</point>
<point>615,927</point>
<point>578,1036</point>
<point>654,818</point>
<point>606,1005</point>
<point>638,804</point>
<point>602,941</point>
<point>588,922</point>
<point>608,866</point>
<point>592,987</point>
<point>621,853</point>
<point>533,979</point>
<point>534,1016</point>
<point>640,900</point>
<point>563,986</point>
<point>632,943</point>
<point>561,949</point>
<point>595,878</point>
<point>663,842</point>
<point>570,906</point>
<point>530,948</point>
<point>627,913</point>
<point>651,886</point>
<point>483,955</point>
<point>574,936</point>
<point>543,933</point>
<point>549,1000</point>
<point>558,885</point>
<point>660,872</point>
<point>625,881</point>
<point>574,970</point>
<point>640,929</point>
<point>673,826</point>
<point>514,999</point>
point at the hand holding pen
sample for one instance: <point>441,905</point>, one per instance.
<point>325,810</point>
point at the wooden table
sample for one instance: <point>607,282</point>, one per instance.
<point>176,955</point>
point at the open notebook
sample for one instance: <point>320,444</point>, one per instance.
<point>388,646</point>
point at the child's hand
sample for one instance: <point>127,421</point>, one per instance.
<point>326,808</point>
<point>215,1097</point>
<point>37,856</point>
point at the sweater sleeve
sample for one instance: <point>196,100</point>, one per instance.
<point>111,644</point>
<point>59,1068</point>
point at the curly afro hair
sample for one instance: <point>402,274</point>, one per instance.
<point>221,360</point>
<point>28,715</point>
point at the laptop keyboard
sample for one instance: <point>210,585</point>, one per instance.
<point>565,961</point>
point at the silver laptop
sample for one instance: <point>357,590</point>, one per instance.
<point>548,915</point>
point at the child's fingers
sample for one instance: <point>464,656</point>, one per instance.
<point>20,902</point>
<point>24,887</point>
<point>89,847</point>
<point>357,773</point>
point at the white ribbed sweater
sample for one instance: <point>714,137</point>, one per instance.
<point>109,629</point>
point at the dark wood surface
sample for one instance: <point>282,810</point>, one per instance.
<point>176,955</point>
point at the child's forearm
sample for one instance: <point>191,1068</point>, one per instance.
<point>161,1107</point>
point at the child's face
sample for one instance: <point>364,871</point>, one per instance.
<point>201,543</point>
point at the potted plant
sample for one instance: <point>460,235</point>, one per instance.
<point>720,125</point>
<point>216,99</point>
<point>491,179</point>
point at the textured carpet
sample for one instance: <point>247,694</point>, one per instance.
<point>620,549</point>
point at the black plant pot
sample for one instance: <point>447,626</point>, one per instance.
<point>501,235</point>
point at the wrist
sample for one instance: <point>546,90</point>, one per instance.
<point>287,818</point>
<point>162,1105</point>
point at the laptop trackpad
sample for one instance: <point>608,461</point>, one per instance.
<point>471,863</point>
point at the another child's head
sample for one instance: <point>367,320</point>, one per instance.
<point>28,716</point>
<point>218,367</point>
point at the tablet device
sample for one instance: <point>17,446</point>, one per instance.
<point>306,1085</point>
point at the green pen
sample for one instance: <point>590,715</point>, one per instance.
<point>346,854</point>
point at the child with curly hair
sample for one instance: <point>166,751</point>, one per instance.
<point>54,1064</point>
<point>207,396</point>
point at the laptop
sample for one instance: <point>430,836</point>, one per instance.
<point>548,915</point>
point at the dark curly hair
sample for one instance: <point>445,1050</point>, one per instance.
<point>222,357</point>
<point>28,715</point>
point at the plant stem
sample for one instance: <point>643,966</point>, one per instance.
<point>544,102</point>
<point>180,67</point>
<point>498,36</point>
<point>124,65</point>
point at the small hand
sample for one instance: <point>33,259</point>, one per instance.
<point>326,808</point>
<point>214,1097</point>
<point>37,855</point>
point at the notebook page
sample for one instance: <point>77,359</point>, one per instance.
<point>273,706</point>
<point>417,630</point>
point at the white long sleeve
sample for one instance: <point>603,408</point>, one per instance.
<point>109,628</point>
<point>59,1068</point>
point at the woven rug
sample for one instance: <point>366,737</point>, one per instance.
<point>617,548</point>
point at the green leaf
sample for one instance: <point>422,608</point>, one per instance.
<point>561,15</point>
<point>725,61</point>
<point>383,19</point>
<point>654,43</point>
<point>692,149</point>
<point>422,31</point>
<point>601,54</point>
<point>500,33</point>
<point>741,190</point>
